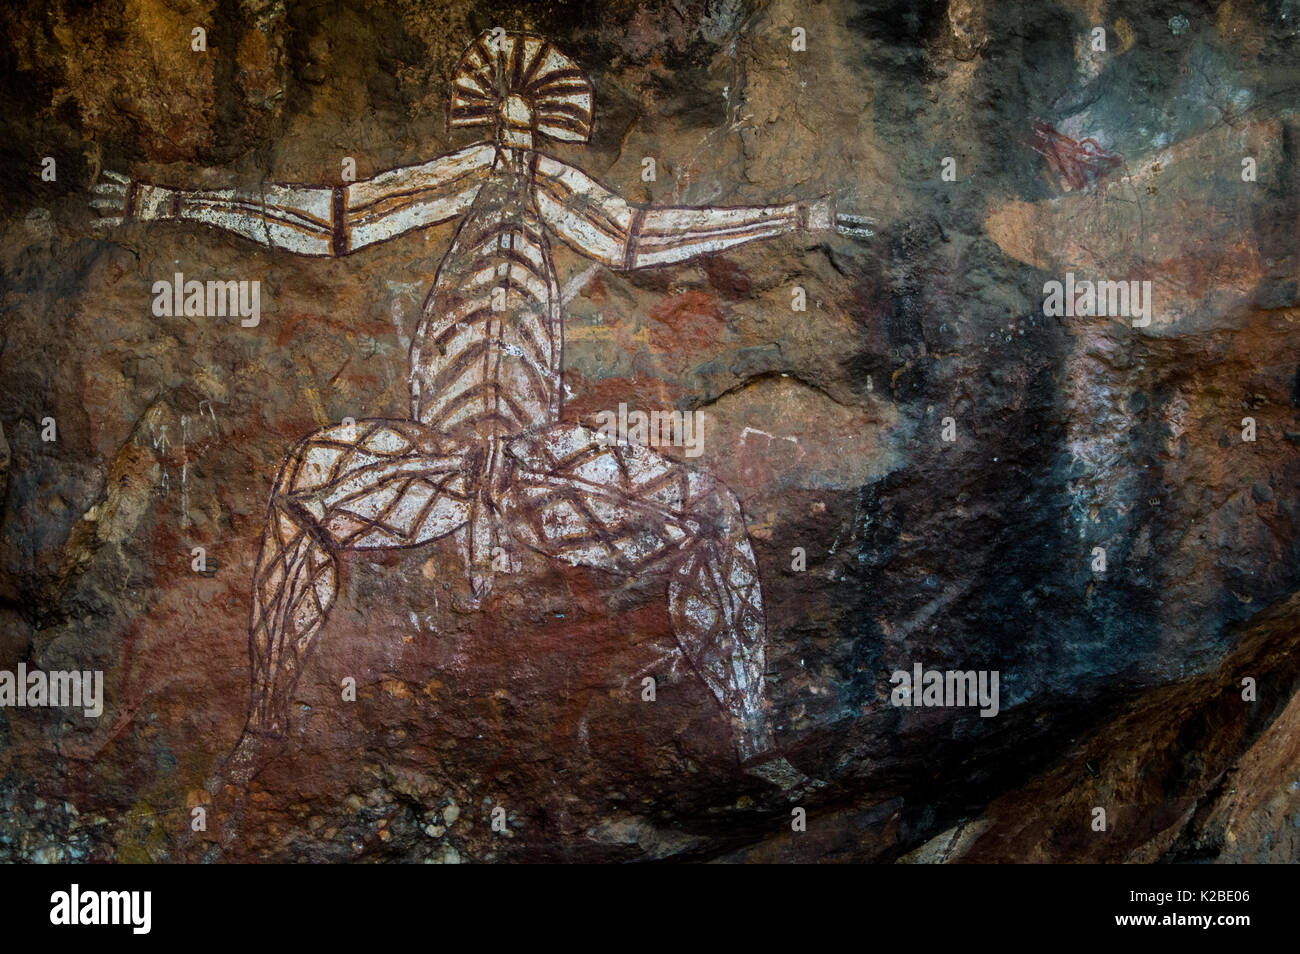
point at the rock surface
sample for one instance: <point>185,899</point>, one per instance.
<point>1120,689</point>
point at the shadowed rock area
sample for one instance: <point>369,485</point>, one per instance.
<point>1161,685</point>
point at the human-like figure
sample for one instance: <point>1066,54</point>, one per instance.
<point>484,455</point>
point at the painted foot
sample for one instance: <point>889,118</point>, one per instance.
<point>251,754</point>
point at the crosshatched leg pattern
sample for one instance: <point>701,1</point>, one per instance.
<point>631,510</point>
<point>377,484</point>
<point>561,491</point>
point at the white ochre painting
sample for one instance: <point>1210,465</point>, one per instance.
<point>485,456</point>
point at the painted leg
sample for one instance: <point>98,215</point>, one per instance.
<point>628,509</point>
<point>373,485</point>
<point>294,587</point>
<point>717,611</point>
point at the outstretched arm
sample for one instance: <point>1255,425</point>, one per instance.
<point>603,226</point>
<point>313,220</point>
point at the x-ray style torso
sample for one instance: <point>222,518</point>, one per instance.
<point>484,456</point>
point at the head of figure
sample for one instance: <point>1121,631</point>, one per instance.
<point>523,87</point>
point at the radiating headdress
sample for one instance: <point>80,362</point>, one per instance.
<point>523,81</point>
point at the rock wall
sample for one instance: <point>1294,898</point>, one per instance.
<point>937,466</point>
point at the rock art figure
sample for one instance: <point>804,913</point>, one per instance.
<point>1079,164</point>
<point>485,456</point>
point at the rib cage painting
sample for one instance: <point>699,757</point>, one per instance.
<point>650,430</point>
<point>485,455</point>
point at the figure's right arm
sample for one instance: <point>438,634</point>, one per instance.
<point>313,220</point>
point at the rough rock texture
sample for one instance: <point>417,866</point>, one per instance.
<point>1120,689</point>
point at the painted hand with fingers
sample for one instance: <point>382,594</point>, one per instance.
<point>826,215</point>
<point>111,192</point>
<point>853,226</point>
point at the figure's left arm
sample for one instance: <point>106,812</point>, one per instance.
<point>604,226</point>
